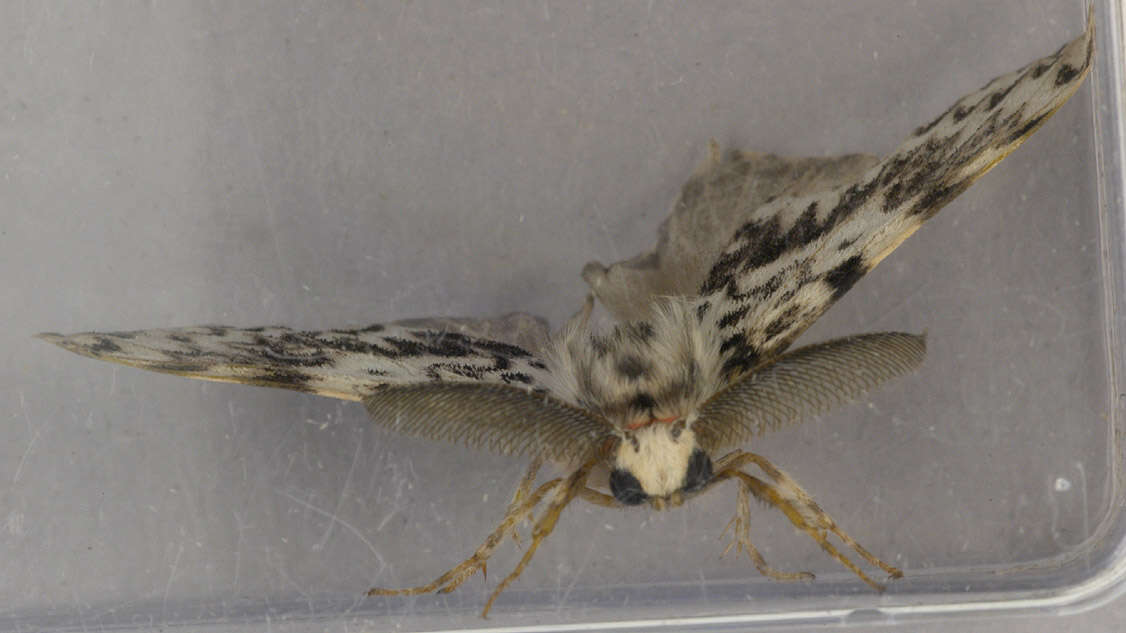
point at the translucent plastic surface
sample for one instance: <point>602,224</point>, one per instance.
<point>343,164</point>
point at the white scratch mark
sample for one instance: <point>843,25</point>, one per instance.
<point>348,526</point>
<point>171,576</point>
<point>30,443</point>
<point>339,501</point>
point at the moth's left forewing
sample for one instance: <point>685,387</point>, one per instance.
<point>796,256</point>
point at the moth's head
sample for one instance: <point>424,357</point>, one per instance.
<point>658,462</point>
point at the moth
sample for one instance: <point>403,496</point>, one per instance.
<point>658,409</point>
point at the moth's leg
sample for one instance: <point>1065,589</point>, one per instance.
<point>454,577</point>
<point>741,540</point>
<point>598,498</point>
<point>778,498</point>
<point>811,513</point>
<point>564,494</point>
<point>523,490</point>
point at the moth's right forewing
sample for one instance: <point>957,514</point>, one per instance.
<point>346,363</point>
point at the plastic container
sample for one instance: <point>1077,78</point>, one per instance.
<point>329,166</point>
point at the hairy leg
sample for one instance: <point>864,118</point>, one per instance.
<point>598,498</point>
<point>800,508</point>
<point>564,494</point>
<point>450,580</point>
<point>522,492</point>
<point>741,540</point>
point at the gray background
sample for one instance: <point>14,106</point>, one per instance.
<point>335,164</point>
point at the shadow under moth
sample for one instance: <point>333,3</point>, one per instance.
<point>656,409</point>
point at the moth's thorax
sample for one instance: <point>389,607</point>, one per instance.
<point>658,456</point>
<point>659,369</point>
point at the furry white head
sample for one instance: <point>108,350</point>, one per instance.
<point>657,462</point>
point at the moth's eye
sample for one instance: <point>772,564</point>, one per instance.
<point>626,488</point>
<point>699,471</point>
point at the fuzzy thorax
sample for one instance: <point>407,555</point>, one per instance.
<point>659,369</point>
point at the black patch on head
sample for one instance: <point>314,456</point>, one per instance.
<point>626,488</point>
<point>642,402</point>
<point>699,471</point>
<point>844,277</point>
<point>632,367</point>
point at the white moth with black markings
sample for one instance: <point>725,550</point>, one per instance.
<point>757,247</point>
